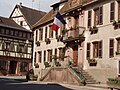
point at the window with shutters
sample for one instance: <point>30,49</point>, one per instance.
<point>89,18</point>
<point>111,48</point>
<point>112,11</point>
<point>88,51</point>
<point>40,34</point>
<point>98,16</point>
<point>97,49</point>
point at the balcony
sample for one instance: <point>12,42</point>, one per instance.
<point>74,34</point>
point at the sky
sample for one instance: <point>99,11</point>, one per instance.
<point>7,6</point>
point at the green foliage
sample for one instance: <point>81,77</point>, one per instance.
<point>47,64</point>
<point>113,81</point>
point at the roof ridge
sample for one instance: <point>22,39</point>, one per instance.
<point>30,8</point>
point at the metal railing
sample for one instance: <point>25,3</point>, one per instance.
<point>74,33</point>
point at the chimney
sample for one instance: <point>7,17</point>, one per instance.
<point>20,4</point>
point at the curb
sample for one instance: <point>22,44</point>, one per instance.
<point>98,86</point>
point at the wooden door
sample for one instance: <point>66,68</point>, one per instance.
<point>75,55</point>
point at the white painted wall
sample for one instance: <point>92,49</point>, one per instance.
<point>105,33</point>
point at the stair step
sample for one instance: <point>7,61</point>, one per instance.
<point>90,79</point>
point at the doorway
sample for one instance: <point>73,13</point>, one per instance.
<point>75,55</point>
<point>13,65</point>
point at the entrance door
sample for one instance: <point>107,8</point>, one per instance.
<point>13,65</point>
<point>75,55</point>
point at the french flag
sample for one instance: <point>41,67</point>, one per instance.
<point>58,22</point>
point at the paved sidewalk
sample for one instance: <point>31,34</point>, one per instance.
<point>105,86</point>
<point>13,77</point>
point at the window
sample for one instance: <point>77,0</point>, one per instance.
<point>11,32</point>
<point>61,51</point>
<point>50,32</point>
<point>44,56</point>
<point>24,67</point>
<point>3,46</point>
<point>118,45</point>
<point>16,33</point>
<point>98,16</point>
<point>20,34</point>
<point>35,57</point>
<point>61,54</point>
<point>111,48</point>
<point>7,31</point>
<point>24,35</point>
<point>20,48</point>
<point>21,23</point>
<point>88,50</point>
<point>28,35</point>
<point>26,48</point>
<point>97,49</point>
<point>36,34</point>
<point>40,56</point>
<point>3,31</point>
<point>55,52</point>
<point>118,10</point>
<point>7,46</point>
<point>41,34</point>
<point>45,32</point>
<point>3,65</point>
<point>50,55</point>
<point>112,11</point>
<point>89,18</point>
<point>12,46</point>
<point>56,33</point>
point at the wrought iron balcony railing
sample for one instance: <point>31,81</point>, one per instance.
<point>74,34</point>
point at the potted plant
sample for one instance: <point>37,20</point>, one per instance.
<point>46,64</point>
<point>118,21</point>
<point>37,43</point>
<point>117,53</point>
<point>47,40</point>
<point>92,62</point>
<point>36,65</point>
<point>114,22</point>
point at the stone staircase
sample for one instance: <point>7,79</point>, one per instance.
<point>83,75</point>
